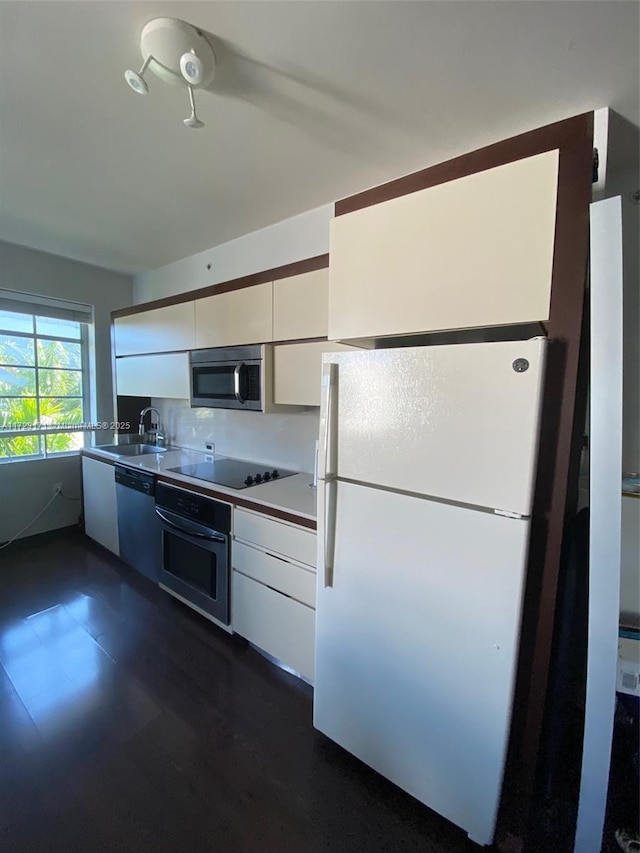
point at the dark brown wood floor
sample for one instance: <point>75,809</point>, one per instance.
<point>129,723</point>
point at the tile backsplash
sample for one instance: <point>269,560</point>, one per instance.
<point>285,440</point>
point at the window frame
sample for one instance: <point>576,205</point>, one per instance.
<point>85,397</point>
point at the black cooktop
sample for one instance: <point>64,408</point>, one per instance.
<point>233,473</point>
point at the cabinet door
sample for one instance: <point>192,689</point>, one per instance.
<point>238,317</point>
<point>300,306</point>
<point>154,375</point>
<point>298,372</point>
<point>158,330</point>
<point>280,626</point>
<point>473,252</point>
<point>99,497</point>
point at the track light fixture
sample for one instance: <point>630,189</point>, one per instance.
<point>177,53</point>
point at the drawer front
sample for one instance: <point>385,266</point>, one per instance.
<point>276,536</point>
<point>276,624</point>
<point>285,577</point>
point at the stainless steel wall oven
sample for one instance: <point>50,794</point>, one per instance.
<point>195,550</point>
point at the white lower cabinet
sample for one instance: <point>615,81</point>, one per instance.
<point>99,501</point>
<point>275,623</point>
<point>273,590</point>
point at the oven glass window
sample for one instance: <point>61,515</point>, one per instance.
<point>190,563</point>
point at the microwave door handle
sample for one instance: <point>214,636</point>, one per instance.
<point>236,382</point>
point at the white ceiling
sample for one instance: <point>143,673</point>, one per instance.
<point>312,101</point>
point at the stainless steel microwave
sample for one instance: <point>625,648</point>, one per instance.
<point>228,378</point>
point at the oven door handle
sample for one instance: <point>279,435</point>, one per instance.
<point>209,537</point>
<point>236,381</point>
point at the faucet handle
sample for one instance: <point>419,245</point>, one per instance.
<point>156,435</point>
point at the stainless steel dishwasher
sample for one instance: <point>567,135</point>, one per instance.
<point>139,528</point>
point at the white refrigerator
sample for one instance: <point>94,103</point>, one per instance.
<point>427,465</point>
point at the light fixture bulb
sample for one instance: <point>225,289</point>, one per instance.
<point>136,81</point>
<point>191,68</point>
<point>193,120</point>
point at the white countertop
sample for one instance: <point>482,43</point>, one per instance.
<point>291,494</point>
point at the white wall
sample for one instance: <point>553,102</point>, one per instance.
<point>295,239</point>
<point>281,440</point>
<point>25,487</point>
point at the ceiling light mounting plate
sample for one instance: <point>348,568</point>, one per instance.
<point>165,41</point>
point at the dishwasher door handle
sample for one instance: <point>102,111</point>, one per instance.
<point>210,537</point>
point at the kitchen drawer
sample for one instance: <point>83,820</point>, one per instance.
<point>275,536</point>
<point>275,572</point>
<point>278,625</point>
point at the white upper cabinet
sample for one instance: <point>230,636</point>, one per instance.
<point>473,252</point>
<point>297,372</point>
<point>238,317</point>
<point>159,330</point>
<point>165,375</point>
<point>300,306</point>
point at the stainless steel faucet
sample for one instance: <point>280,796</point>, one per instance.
<point>154,433</point>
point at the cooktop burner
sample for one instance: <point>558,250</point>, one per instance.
<point>233,473</point>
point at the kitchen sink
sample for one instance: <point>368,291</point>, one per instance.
<point>133,449</point>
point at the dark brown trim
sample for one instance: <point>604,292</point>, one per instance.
<point>281,514</point>
<point>561,433</point>
<point>296,268</point>
<point>555,487</point>
<point>537,141</point>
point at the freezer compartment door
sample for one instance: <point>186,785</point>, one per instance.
<point>458,422</point>
<point>416,642</point>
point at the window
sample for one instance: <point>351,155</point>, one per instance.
<point>44,388</point>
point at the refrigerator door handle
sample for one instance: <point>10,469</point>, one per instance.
<point>329,530</point>
<point>326,472</point>
<point>327,416</point>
